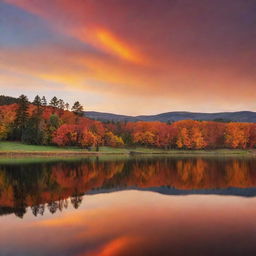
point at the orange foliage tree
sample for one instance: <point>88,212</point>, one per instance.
<point>87,139</point>
<point>237,135</point>
<point>65,128</point>
<point>66,135</point>
<point>112,140</point>
<point>7,117</point>
<point>252,137</point>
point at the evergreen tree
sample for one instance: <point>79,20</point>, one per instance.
<point>22,116</point>
<point>37,102</point>
<point>54,122</point>
<point>54,102</point>
<point>61,104</point>
<point>67,106</point>
<point>32,133</point>
<point>44,101</point>
<point>7,100</point>
<point>78,109</point>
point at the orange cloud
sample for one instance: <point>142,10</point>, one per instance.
<point>159,61</point>
<point>106,41</point>
<point>85,30</point>
<point>116,46</point>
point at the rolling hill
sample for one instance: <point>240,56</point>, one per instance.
<point>242,116</point>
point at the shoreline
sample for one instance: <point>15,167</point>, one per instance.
<point>220,152</point>
<point>17,149</point>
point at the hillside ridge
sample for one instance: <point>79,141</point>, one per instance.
<point>238,116</point>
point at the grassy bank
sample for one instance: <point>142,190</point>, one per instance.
<point>17,148</point>
<point>8,146</point>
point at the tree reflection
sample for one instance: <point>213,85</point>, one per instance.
<point>51,185</point>
<point>76,201</point>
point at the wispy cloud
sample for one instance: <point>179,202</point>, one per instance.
<point>167,56</point>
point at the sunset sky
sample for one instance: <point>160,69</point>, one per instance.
<point>131,56</point>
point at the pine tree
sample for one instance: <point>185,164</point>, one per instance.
<point>67,106</point>
<point>37,102</point>
<point>21,116</point>
<point>78,109</point>
<point>44,101</point>
<point>32,133</point>
<point>54,102</point>
<point>61,104</point>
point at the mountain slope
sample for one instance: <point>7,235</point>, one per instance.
<point>109,117</point>
<point>242,116</point>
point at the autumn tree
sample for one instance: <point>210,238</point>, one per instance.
<point>66,135</point>
<point>190,134</point>
<point>252,137</point>
<point>237,135</point>
<point>197,138</point>
<point>7,118</point>
<point>112,140</point>
<point>213,133</point>
<point>165,135</point>
<point>144,138</point>
<point>38,123</point>
<point>87,139</point>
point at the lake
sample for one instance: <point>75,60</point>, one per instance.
<point>128,206</point>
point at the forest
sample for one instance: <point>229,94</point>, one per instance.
<point>56,123</point>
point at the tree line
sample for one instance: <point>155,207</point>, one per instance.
<point>24,120</point>
<point>56,123</point>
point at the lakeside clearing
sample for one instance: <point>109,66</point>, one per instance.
<point>16,148</point>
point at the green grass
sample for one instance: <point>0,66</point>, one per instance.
<point>172,151</point>
<point>8,146</point>
<point>113,150</point>
<point>17,147</point>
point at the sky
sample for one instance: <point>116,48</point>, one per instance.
<point>131,56</point>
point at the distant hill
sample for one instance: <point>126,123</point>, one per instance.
<point>242,116</point>
<point>109,117</point>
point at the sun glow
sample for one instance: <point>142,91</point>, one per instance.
<point>116,46</point>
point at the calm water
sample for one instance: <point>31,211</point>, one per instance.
<point>134,206</point>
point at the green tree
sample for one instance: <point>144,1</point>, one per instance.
<point>53,124</point>
<point>37,102</point>
<point>22,116</point>
<point>61,104</point>
<point>78,109</point>
<point>33,133</point>
<point>54,102</point>
<point>67,106</point>
<point>44,101</point>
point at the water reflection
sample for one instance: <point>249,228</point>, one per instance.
<point>128,207</point>
<point>52,186</point>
